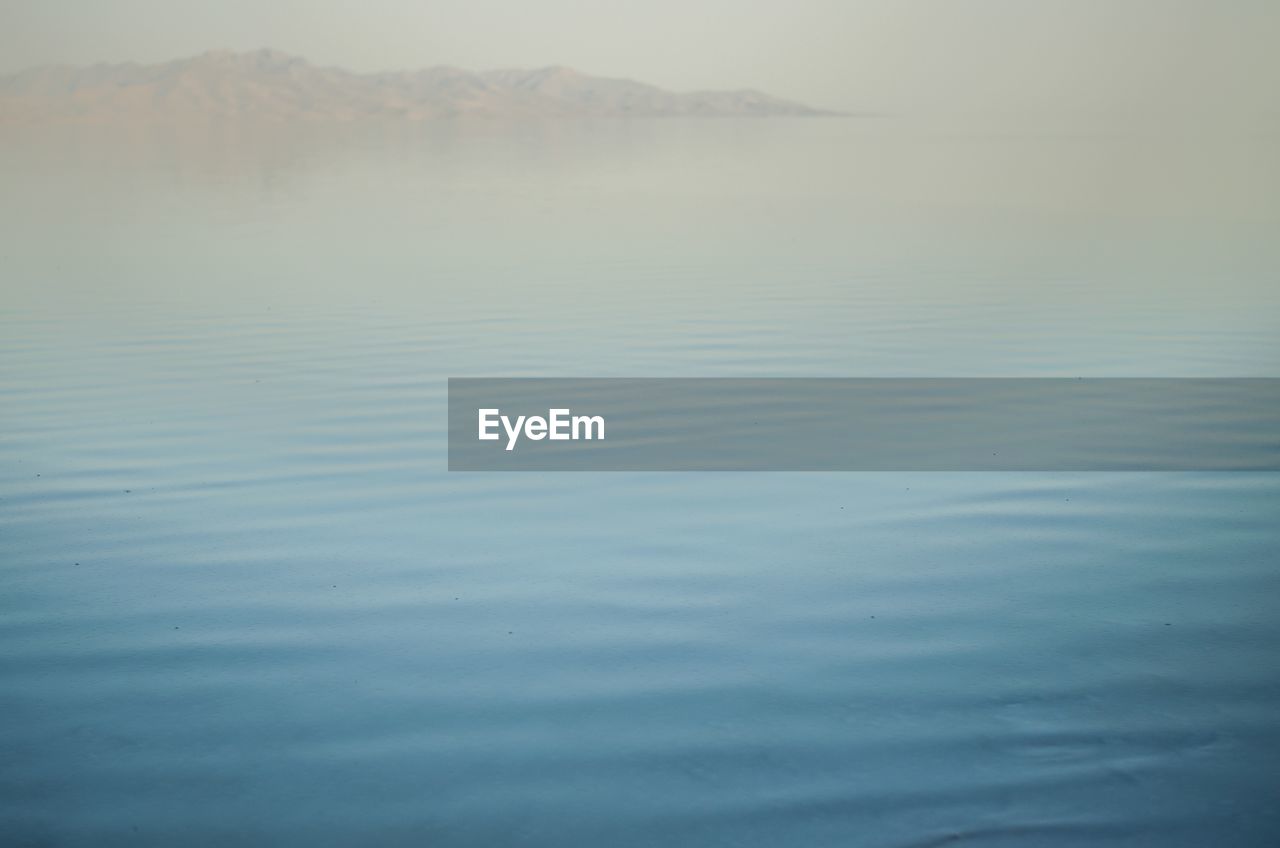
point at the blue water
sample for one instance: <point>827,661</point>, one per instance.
<point>242,602</point>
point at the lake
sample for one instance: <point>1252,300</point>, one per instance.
<point>244,602</point>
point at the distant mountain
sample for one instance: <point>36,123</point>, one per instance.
<point>267,84</point>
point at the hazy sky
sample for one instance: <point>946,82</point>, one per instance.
<point>957,55</point>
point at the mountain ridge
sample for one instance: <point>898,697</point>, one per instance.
<point>270,84</point>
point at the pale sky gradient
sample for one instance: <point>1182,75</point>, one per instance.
<point>1109,56</point>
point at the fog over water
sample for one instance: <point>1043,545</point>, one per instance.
<point>242,600</point>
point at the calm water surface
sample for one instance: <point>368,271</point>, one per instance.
<point>241,601</point>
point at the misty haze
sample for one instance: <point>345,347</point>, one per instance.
<point>244,602</point>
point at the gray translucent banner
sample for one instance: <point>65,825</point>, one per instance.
<point>714,424</point>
